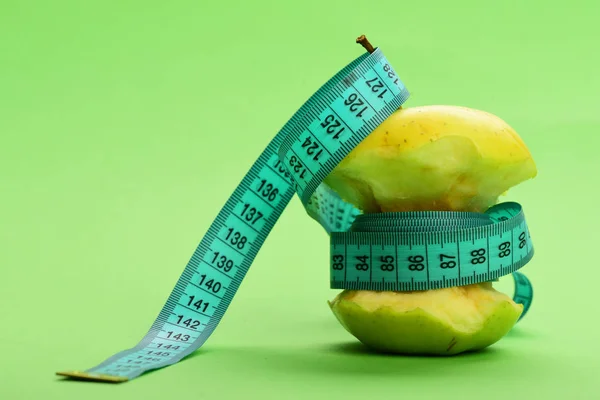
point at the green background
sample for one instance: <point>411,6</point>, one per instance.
<point>125,125</point>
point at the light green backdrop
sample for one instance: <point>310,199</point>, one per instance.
<point>125,125</point>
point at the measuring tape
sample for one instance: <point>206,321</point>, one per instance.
<point>423,250</point>
<point>309,146</point>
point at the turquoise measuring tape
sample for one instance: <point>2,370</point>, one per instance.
<point>391,251</point>
<point>431,250</point>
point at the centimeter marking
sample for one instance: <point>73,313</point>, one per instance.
<point>319,135</point>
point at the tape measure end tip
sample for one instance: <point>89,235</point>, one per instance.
<point>88,376</point>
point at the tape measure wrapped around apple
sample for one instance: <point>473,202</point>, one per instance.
<point>363,167</point>
<point>431,158</point>
<point>438,158</point>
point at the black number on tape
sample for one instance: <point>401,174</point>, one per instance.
<point>312,148</point>
<point>168,346</point>
<point>267,190</point>
<point>523,240</point>
<point>224,263</point>
<point>388,263</point>
<point>281,169</point>
<point>236,238</point>
<point>447,264</point>
<point>332,124</point>
<point>504,249</point>
<point>179,336</point>
<point>354,103</point>
<point>338,262</point>
<point>390,72</point>
<point>197,304</point>
<point>298,166</point>
<point>211,284</point>
<point>251,214</point>
<point>189,322</point>
<point>362,266</point>
<point>376,84</point>
<point>478,256</point>
<point>417,263</point>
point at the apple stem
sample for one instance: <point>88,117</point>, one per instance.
<point>364,42</point>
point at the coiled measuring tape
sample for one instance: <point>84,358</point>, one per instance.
<point>392,251</point>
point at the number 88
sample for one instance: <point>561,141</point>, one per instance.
<point>478,256</point>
